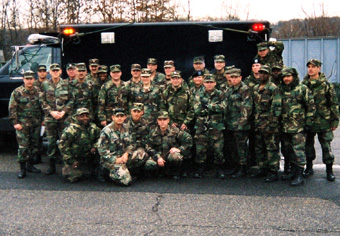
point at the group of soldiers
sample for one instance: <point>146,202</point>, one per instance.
<point>159,124</point>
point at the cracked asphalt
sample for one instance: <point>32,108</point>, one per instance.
<point>45,205</point>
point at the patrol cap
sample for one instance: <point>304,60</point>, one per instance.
<point>42,67</point>
<point>102,69</point>
<point>289,71</point>
<point>70,66</point>
<point>169,63</point>
<point>198,73</point>
<point>262,46</point>
<point>115,68</point>
<point>152,61</point>
<point>118,111</point>
<point>235,72</point>
<point>276,66</point>
<point>138,106</point>
<point>55,66</point>
<point>163,115</point>
<point>219,58</point>
<point>229,69</point>
<point>94,62</point>
<point>146,72</point>
<point>82,110</point>
<point>209,78</point>
<point>176,73</point>
<point>314,62</point>
<point>198,60</point>
<point>136,67</point>
<point>28,74</point>
<point>81,66</point>
<point>265,68</point>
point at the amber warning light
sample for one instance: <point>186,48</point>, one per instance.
<point>68,31</point>
<point>259,27</point>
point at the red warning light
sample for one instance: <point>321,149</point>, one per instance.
<point>258,27</point>
<point>68,31</point>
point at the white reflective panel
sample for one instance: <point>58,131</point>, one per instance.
<point>215,35</point>
<point>108,38</point>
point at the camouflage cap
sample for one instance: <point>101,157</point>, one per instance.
<point>287,71</point>
<point>115,68</point>
<point>169,63</point>
<point>28,74</point>
<point>262,46</point>
<point>94,62</point>
<point>146,72</point>
<point>81,66</point>
<point>235,72</point>
<point>265,68</point>
<point>276,66</point>
<point>70,66</point>
<point>42,67</point>
<point>152,61</point>
<point>102,69</point>
<point>209,78</point>
<point>163,115</point>
<point>198,73</point>
<point>314,62</point>
<point>138,106</point>
<point>176,73</point>
<point>118,111</point>
<point>55,66</point>
<point>198,60</point>
<point>136,67</point>
<point>82,111</point>
<point>229,69</point>
<point>219,58</point>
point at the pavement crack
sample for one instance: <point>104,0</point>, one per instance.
<point>155,207</point>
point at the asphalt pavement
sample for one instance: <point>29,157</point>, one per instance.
<point>46,205</point>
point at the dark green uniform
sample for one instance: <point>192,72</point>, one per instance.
<point>274,57</point>
<point>82,94</point>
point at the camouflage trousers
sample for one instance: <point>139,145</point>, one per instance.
<point>209,139</point>
<point>238,146</point>
<point>325,139</point>
<point>293,147</point>
<point>28,141</point>
<point>53,133</point>
<point>172,159</point>
<point>121,173</point>
<point>267,150</point>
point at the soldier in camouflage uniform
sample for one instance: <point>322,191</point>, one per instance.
<point>157,78</point>
<point>297,113</point>
<point>198,64</point>
<point>239,108</point>
<point>42,76</point>
<point>254,77</point>
<point>78,146</point>
<point>134,83</point>
<point>176,101</point>
<point>82,91</point>
<point>93,66</point>
<point>116,148</point>
<point>169,67</point>
<point>71,71</point>
<point>102,78</point>
<point>25,114</point>
<point>268,101</point>
<point>167,146</point>
<point>209,109</point>
<point>111,95</point>
<point>276,74</point>
<point>57,102</point>
<point>270,57</point>
<point>197,78</point>
<point>218,71</point>
<point>326,118</point>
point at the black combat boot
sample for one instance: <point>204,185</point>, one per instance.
<point>329,171</point>
<point>271,177</point>
<point>22,173</point>
<point>240,173</point>
<point>52,169</point>
<point>199,171</point>
<point>298,178</point>
<point>31,168</point>
<point>309,169</point>
<point>101,174</point>
<point>289,175</point>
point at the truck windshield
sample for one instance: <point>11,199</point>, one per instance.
<point>29,58</point>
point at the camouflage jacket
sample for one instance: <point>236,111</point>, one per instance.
<point>38,84</point>
<point>298,107</point>
<point>274,56</point>
<point>82,93</point>
<point>239,107</point>
<point>177,103</point>
<point>96,86</point>
<point>193,90</point>
<point>110,97</point>
<point>221,80</point>
<point>268,106</point>
<point>159,144</point>
<point>90,77</point>
<point>77,140</point>
<point>113,143</point>
<point>158,80</point>
<point>251,81</point>
<point>209,110</point>
<point>139,131</point>
<point>56,97</point>
<point>24,107</point>
<point>326,104</point>
<point>131,88</point>
<point>190,80</point>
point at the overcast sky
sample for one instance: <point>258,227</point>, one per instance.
<point>271,10</point>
